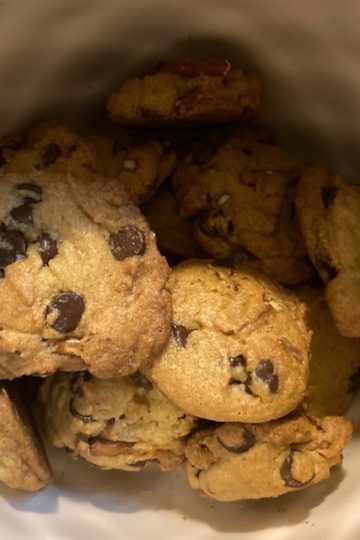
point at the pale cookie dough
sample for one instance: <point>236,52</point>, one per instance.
<point>250,461</point>
<point>82,283</point>
<point>329,214</point>
<point>116,424</point>
<point>239,348</point>
<point>187,93</point>
<point>23,464</point>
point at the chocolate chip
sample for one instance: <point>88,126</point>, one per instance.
<point>247,151</point>
<point>202,152</point>
<point>354,382</point>
<point>48,248</point>
<point>239,360</point>
<point>12,246</point>
<point>29,187</point>
<point>328,195</point>
<point>51,154</point>
<point>141,380</point>
<point>248,441</point>
<point>75,386</point>
<point>70,307</point>
<point>265,371</point>
<point>2,273</point>
<point>127,242</point>
<point>180,334</point>
<point>285,473</point>
<point>23,213</point>
<point>83,417</point>
<point>325,268</point>
<point>72,148</point>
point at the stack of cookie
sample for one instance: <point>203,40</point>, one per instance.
<point>199,337</point>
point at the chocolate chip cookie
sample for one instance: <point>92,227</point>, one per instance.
<point>251,461</point>
<point>239,345</point>
<point>116,424</point>
<point>334,374</point>
<point>23,464</point>
<point>240,190</point>
<point>329,214</point>
<point>186,93</point>
<point>82,282</point>
<point>174,235</point>
<point>139,167</point>
<point>55,148</point>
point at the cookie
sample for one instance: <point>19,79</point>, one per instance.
<point>251,461</point>
<point>9,145</point>
<point>334,368</point>
<point>239,345</point>
<point>140,168</point>
<point>23,464</point>
<point>187,93</point>
<point>239,190</point>
<point>329,214</point>
<point>82,282</point>
<point>174,235</point>
<point>115,423</point>
<point>52,147</point>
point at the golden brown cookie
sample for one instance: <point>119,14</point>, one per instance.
<point>55,148</point>
<point>116,424</point>
<point>174,234</point>
<point>329,214</point>
<point>334,361</point>
<point>185,93</point>
<point>239,189</point>
<point>23,464</point>
<point>82,282</point>
<point>239,345</point>
<point>253,461</point>
<point>139,167</point>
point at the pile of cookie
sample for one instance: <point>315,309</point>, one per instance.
<point>178,291</point>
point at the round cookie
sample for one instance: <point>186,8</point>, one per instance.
<point>82,282</point>
<point>54,148</point>
<point>239,346</point>
<point>114,423</point>
<point>328,209</point>
<point>239,189</point>
<point>334,368</point>
<point>187,93</point>
<point>174,235</point>
<point>251,461</point>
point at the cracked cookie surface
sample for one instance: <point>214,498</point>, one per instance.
<point>187,93</point>
<point>251,461</point>
<point>329,214</point>
<point>239,345</point>
<point>23,464</point>
<point>239,190</point>
<point>120,423</point>
<point>82,282</point>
